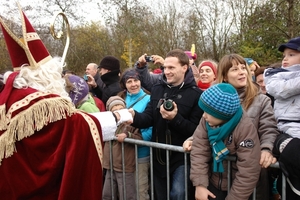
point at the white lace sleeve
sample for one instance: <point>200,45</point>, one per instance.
<point>108,124</point>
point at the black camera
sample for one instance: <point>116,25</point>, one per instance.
<point>167,104</point>
<point>149,59</point>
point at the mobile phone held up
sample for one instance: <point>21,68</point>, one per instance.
<point>85,77</point>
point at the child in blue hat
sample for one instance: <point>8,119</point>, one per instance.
<point>284,85</point>
<point>224,130</point>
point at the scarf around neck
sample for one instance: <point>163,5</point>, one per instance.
<point>203,86</point>
<point>216,137</point>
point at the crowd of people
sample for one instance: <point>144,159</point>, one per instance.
<point>57,129</point>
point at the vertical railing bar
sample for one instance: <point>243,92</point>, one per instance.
<point>186,177</point>
<point>283,187</point>
<point>151,173</point>
<point>111,168</point>
<point>137,172</point>
<point>168,172</point>
<point>123,173</point>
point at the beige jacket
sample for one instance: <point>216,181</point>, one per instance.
<point>263,118</point>
<point>243,143</point>
<point>129,150</point>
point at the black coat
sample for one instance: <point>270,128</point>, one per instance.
<point>97,91</point>
<point>111,86</point>
<point>174,131</point>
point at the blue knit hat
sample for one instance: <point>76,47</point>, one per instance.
<point>220,100</point>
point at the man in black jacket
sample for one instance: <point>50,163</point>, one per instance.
<point>109,70</point>
<point>171,125</point>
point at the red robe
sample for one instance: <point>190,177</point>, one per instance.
<point>57,149</point>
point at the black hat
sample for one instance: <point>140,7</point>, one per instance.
<point>110,63</point>
<point>291,44</point>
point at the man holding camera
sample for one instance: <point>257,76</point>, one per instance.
<point>174,113</point>
<point>92,71</point>
<point>147,79</point>
<point>109,72</point>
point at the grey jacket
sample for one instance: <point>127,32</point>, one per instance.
<point>284,85</point>
<point>262,116</point>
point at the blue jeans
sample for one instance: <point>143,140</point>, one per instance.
<point>177,188</point>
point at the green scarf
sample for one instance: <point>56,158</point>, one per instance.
<point>216,137</point>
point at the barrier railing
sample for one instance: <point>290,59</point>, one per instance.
<point>169,148</point>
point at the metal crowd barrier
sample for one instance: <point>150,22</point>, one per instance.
<point>169,148</point>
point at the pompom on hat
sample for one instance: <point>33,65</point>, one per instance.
<point>77,88</point>
<point>220,100</point>
<point>191,55</point>
<point>113,101</point>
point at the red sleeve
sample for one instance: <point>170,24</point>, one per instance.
<point>99,104</point>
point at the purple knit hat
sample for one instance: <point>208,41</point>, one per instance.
<point>77,88</point>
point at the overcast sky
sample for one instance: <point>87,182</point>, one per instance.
<point>9,9</point>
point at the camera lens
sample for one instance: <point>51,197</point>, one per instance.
<point>168,105</point>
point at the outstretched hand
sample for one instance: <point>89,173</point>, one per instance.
<point>123,115</point>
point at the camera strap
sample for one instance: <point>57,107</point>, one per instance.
<point>141,97</point>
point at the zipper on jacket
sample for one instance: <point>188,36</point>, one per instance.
<point>220,181</point>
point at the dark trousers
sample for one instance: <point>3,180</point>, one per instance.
<point>289,192</point>
<point>289,161</point>
<point>177,188</point>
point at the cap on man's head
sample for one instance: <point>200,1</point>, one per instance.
<point>110,63</point>
<point>113,101</point>
<point>291,44</point>
<point>191,55</point>
<point>220,100</point>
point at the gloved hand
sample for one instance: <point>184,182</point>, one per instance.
<point>124,116</point>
